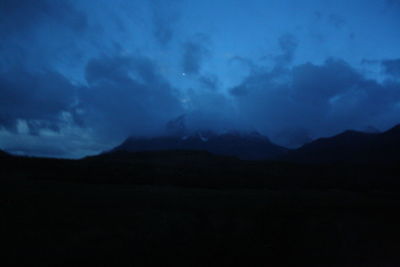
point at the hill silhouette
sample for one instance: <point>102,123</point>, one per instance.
<point>348,147</point>
<point>351,147</point>
<point>121,208</point>
<point>4,154</point>
<point>244,146</point>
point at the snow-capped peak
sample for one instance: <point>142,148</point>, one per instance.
<point>202,138</point>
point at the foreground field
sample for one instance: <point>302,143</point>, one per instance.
<point>47,220</point>
<point>58,224</point>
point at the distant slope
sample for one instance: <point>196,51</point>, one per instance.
<point>3,154</point>
<point>244,146</point>
<point>163,157</point>
<point>351,147</point>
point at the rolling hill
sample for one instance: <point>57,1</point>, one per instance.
<point>351,147</point>
<point>244,146</point>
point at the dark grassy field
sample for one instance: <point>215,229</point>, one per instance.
<point>196,209</point>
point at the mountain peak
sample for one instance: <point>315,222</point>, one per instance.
<point>242,145</point>
<point>371,129</point>
<point>351,146</point>
<point>177,126</point>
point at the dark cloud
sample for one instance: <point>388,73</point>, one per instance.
<point>392,2</point>
<point>194,53</point>
<point>288,44</point>
<point>392,67</point>
<point>71,68</point>
<point>317,84</point>
<point>209,81</point>
<point>245,62</point>
<point>24,15</point>
<point>123,96</point>
<point>127,96</point>
<point>38,98</point>
<point>318,99</point>
<point>210,110</point>
<point>40,34</point>
<point>165,16</point>
<point>337,21</point>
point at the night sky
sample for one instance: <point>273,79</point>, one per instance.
<point>78,77</point>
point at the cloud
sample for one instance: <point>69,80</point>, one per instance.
<point>288,44</point>
<point>337,21</point>
<point>70,141</point>
<point>124,95</point>
<point>40,34</point>
<point>209,81</point>
<point>315,100</point>
<point>194,53</point>
<point>71,68</point>
<point>164,16</point>
<point>39,98</point>
<point>24,15</point>
<point>209,110</point>
<point>392,67</point>
<point>391,3</point>
<point>127,96</point>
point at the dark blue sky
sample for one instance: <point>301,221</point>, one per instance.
<point>78,77</point>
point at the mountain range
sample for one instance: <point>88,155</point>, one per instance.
<point>251,146</point>
<point>347,147</point>
<point>351,147</point>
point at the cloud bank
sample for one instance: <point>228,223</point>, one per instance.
<point>78,78</point>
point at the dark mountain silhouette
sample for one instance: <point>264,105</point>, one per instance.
<point>177,127</point>
<point>351,147</point>
<point>3,154</point>
<point>370,129</point>
<point>244,146</point>
<point>248,146</point>
<point>347,147</point>
<point>162,202</point>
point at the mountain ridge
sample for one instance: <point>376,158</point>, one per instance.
<point>4,154</point>
<point>350,147</point>
<point>247,146</point>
